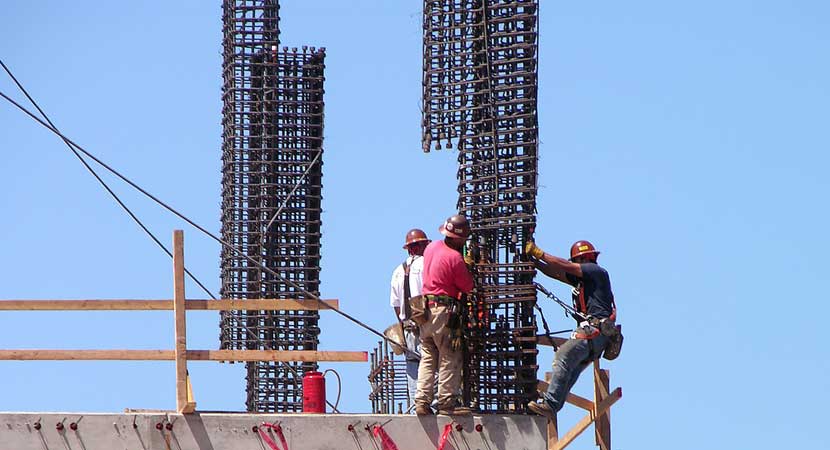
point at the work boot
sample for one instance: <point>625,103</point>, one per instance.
<point>542,408</point>
<point>455,411</point>
<point>423,410</point>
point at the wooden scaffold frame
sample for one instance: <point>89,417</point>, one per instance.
<point>180,354</point>
<point>599,410</point>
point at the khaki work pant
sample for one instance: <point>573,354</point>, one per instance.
<point>436,354</point>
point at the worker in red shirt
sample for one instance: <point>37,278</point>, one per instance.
<point>445,277</point>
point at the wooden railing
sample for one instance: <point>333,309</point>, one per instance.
<point>180,354</point>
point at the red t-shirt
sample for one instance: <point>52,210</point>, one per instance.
<point>444,271</point>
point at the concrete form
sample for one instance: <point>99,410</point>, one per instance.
<point>220,431</point>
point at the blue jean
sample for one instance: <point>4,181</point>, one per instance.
<point>413,342</point>
<point>571,359</point>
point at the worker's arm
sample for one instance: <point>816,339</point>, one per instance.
<point>463,279</point>
<point>561,265</point>
<point>554,266</point>
<point>550,271</point>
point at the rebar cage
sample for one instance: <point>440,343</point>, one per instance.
<point>271,195</point>
<point>480,96</point>
<point>388,381</point>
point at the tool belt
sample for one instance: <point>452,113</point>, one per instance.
<point>608,327</point>
<point>436,300</point>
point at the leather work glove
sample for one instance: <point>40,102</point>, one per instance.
<point>533,251</point>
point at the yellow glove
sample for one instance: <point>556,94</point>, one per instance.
<point>533,251</point>
<point>468,259</point>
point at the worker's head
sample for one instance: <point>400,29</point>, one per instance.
<point>583,252</point>
<point>456,229</point>
<point>416,242</point>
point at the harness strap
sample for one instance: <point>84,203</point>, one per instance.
<point>407,291</point>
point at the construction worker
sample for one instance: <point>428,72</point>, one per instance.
<point>594,303</point>
<point>406,283</point>
<point>446,277</point>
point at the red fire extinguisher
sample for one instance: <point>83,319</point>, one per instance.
<point>314,393</point>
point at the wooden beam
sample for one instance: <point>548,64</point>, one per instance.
<point>192,355</point>
<point>167,305</point>
<point>553,422</point>
<point>276,355</point>
<point>179,321</point>
<point>86,355</point>
<point>541,339</point>
<point>572,398</point>
<point>263,305</point>
<point>587,420</point>
<point>602,426</point>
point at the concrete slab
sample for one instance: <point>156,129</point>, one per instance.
<point>235,431</point>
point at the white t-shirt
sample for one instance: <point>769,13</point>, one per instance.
<point>416,268</point>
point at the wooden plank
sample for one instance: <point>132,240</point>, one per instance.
<point>553,432</point>
<point>553,422</point>
<point>573,399</point>
<point>276,355</point>
<point>602,426</point>
<point>192,355</point>
<point>264,305</point>
<point>86,355</point>
<point>541,339</point>
<point>167,305</point>
<point>587,420</point>
<point>180,321</point>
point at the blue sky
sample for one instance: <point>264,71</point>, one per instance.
<point>687,141</point>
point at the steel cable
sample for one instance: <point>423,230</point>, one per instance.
<point>102,182</point>
<point>192,223</point>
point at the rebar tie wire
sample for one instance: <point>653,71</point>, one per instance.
<point>172,210</point>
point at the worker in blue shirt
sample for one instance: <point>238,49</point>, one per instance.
<point>595,315</point>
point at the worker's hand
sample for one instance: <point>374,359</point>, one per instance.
<point>533,251</point>
<point>456,343</point>
<point>468,259</point>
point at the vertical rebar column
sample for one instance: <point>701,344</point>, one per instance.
<point>480,84</point>
<point>388,382</point>
<point>272,174</point>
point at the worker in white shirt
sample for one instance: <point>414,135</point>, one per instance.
<point>407,283</point>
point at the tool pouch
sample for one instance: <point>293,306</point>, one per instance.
<point>420,311</point>
<point>615,342</point>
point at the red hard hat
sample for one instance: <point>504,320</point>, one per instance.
<point>455,226</point>
<point>415,235</point>
<point>583,248</point>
